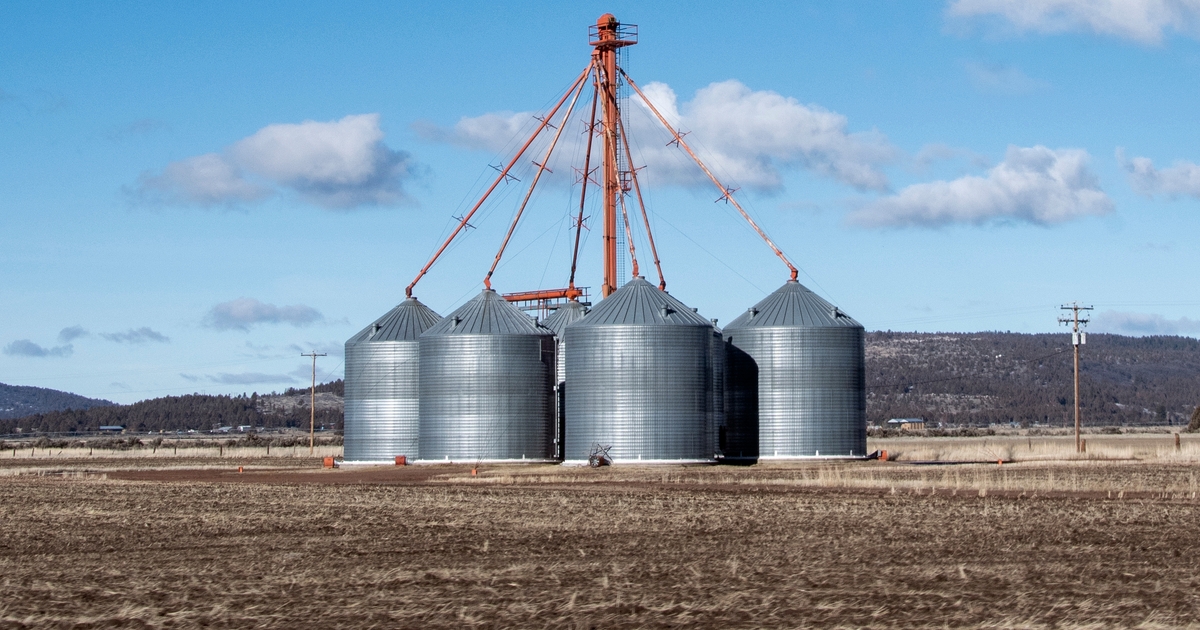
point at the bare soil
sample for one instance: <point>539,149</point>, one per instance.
<point>89,544</point>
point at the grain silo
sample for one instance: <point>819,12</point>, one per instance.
<point>640,379</point>
<point>796,370</point>
<point>381,398</point>
<point>570,312</point>
<point>487,373</point>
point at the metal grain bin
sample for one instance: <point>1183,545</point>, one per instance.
<point>796,371</point>
<point>487,374</point>
<point>382,387</point>
<point>640,376</point>
<point>566,314</point>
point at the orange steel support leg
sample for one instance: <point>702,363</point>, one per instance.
<point>726,193</point>
<point>662,283</point>
<point>542,168</point>
<point>587,172</point>
<point>629,237</point>
<point>504,173</point>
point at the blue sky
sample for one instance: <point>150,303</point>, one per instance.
<point>191,196</point>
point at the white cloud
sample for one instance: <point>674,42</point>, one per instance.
<point>1143,21</point>
<point>750,135</point>
<point>1001,79</point>
<point>27,348</point>
<point>338,164</point>
<point>490,132</point>
<point>135,336</point>
<point>204,180</point>
<point>1144,324</point>
<point>746,136</point>
<point>242,313</point>
<point>1034,184</point>
<point>1182,178</point>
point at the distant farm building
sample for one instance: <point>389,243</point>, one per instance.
<point>907,424</point>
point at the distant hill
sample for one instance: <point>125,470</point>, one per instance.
<point>18,400</point>
<point>200,412</point>
<point>982,378</point>
<point>972,379</point>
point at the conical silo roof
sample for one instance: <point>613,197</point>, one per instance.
<point>406,322</point>
<point>567,313</point>
<point>640,303</point>
<point>487,314</point>
<point>793,306</point>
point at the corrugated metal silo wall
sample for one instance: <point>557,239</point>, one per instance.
<point>643,390</point>
<point>381,400</point>
<point>487,397</point>
<point>811,393</point>
<point>716,405</point>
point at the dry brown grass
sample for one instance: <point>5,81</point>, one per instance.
<point>1138,446</point>
<point>767,546</point>
<point>164,454</point>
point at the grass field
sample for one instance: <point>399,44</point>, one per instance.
<point>158,542</point>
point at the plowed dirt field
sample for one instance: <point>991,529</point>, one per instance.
<point>87,546</point>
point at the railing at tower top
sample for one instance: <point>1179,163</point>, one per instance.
<point>626,35</point>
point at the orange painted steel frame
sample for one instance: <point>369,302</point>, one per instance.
<point>542,168</point>
<point>662,283</point>
<point>607,39</point>
<point>503,174</point>
<point>607,42</point>
<point>587,174</point>
<point>570,293</point>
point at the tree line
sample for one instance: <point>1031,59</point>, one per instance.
<point>977,379</point>
<point>198,412</point>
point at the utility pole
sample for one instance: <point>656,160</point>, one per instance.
<point>1078,338</point>
<point>312,400</point>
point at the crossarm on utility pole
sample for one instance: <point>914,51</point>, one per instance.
<point>503,174</point>
<point>726,193</point>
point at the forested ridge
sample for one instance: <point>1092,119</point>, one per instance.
<point>972,379</point>
<point>21,400</point>
<point>200,412</point>
<point>992,377</point>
